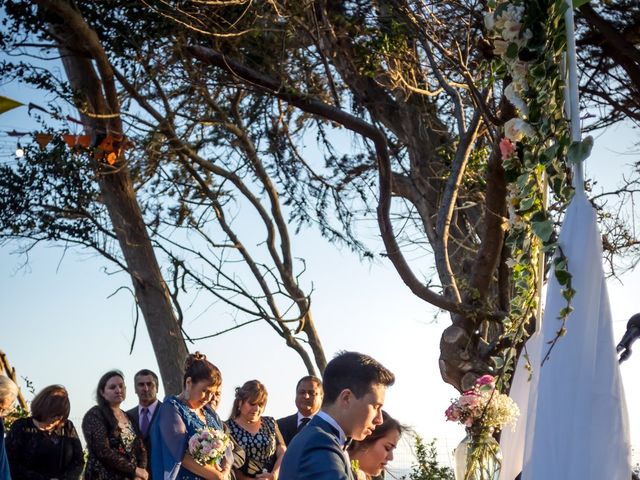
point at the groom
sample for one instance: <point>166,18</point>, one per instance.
<point>354,390</point>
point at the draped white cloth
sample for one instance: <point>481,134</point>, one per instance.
<point>573,423</point>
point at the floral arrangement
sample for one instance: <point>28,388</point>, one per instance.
<point>529,42</point>
<point>208,446</point>
<point>483,409</point>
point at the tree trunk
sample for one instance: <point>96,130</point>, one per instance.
<point>116,187</point>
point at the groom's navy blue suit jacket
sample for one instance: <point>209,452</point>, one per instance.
<point>315,454</point>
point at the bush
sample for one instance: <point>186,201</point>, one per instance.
<point>426,467</point>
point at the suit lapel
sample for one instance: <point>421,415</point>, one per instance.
<point>327,427</point>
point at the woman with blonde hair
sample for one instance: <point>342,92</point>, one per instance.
<point>8,395</point>
<point>259,436</point>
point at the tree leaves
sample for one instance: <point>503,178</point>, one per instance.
<point>580,151</point>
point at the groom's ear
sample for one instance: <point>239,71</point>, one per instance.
<point>345,397</point>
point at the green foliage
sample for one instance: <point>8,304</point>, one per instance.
<point>539,163</point>
<point>16,414</point>
<point>426,466</point>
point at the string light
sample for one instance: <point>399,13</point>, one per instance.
<point>19,152</point>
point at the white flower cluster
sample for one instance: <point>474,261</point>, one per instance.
<point>506,22</point>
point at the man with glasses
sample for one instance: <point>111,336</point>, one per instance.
<point>308,401</point>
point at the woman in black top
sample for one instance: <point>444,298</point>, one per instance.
<point>116,452</point>
<point>45,445</point>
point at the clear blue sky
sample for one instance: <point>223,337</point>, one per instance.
<point>58,326</point>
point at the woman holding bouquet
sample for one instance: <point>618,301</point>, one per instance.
<point>184,422</point>
<point>259,436</point>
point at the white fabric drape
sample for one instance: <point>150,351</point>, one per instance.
<point>574,423</point>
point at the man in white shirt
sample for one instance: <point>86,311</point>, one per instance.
<point>308,400</point>
<point>142,416</point>
<point>354,392</point>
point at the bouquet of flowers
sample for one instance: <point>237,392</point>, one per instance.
<point>209,446</point>
<point>483,409</point>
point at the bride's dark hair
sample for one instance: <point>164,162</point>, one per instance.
<point>388,424</point>
<point>198,368</point>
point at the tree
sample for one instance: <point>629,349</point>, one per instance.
<point>194,168</point>
<point>99,107</point>
<point>428,103</point>
<point>609,49</point>
<point>429,121</point>
<point>426,106</point>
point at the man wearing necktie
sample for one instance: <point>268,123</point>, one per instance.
<point>308,401</point>
<point>354,390</point>
<point>146,388</point>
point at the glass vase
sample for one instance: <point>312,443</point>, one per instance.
<point>478,457</point>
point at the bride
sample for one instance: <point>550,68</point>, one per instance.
<point>370,456</point>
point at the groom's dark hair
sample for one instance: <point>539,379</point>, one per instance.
<point>357,372</point>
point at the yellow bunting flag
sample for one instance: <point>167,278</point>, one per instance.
<point>7,104</point>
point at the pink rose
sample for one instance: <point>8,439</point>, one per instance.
<point>506,149</point>
<point>469,401</point>
<point>489,379</point>
<point>452,413</point>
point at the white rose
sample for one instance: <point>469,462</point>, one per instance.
<point>516,128</point>
<point>489,21</point>
<point>500,47</point>
<point>519,71</point>
<point>512,95</point>
<point>511,30</point>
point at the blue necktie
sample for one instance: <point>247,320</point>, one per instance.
<point>144,421</point>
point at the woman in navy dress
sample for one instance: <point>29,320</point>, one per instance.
<point>258,435</point>
<point>180,417</point>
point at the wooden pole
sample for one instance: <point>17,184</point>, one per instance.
<point>11,373</point>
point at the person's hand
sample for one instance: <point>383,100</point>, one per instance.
<point>221,471</point>
<point>267,476</point>
<point>142,474</point>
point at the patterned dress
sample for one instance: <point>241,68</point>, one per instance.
<point>170,434</point>
<point>115,451</point>
<point>260,448</point>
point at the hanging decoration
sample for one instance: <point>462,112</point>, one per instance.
<point>101,147</point>
<point>7,104</point>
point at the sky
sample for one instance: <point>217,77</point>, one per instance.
<point>63,320</point>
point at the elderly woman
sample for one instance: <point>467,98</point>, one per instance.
<point>180,417</point>
<point>116,452</point>
<point>45,445</point>
<point>372,454</point>
<point>8,395</point>
<point>259,436</point>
